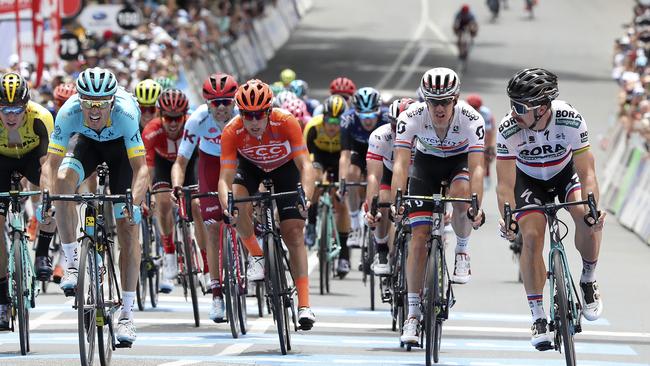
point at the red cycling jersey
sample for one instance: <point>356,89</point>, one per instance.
<point>281,142</point>
<point>157,142</point>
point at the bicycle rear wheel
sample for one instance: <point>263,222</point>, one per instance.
<point>431,296</point>
<point>190,271</point>
<point>563,317</point>
<point>323,250</point>
<point>107,298</point>
<point>86,302</point>
<point>142,287</point>
<point>278,309</point>
<point>153,267</point>
<point>20,288</point>
<point>230,286</point>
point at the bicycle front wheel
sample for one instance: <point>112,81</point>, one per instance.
<point>86,302</point>
<point>229,285</point>
<point>371,272</point>
<point>21,289</point>
<point>242,285</point>
<point>563,317</point>
<point>141,288</point>
<point>275,270</point>
<point>323,251</point>
<point>190,270</point>
<point>432,302</point>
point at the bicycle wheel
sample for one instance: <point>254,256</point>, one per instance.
<point>441,300</point>
<point>277,304</point>
<point>190,271</point>
<point>370,258</point>
<point>109,304</point>
<point>153,266</point>
<point>261,299</point>
<point>20,305</point>
<point>323,249</point>
<point>142,286</point>
<point>431,299</point>
<point>242,286</point>
<point>229,286</point>
<point>563,317</point>
<point>86,302</point>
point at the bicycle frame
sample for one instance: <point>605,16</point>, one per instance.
<point>333,247</point>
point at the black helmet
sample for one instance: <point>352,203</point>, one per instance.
<point>13,89</point>
<point>534,86</point>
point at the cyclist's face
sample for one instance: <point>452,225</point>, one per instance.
<point>369,120</point>
<point>12,117</point>
<point>147,113</point>
<point>221,110</point>
<point>173,124</point>
<point>255,122</point>
<point>441,110</point>
<point>524,114</point>
<point>96,111</point>
<point>332,129</point>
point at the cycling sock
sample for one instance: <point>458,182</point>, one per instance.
<point>253,246</point>
<point>536,304</point>
<point>311,214</point>
<point>4,291</point>
<point>588,271</point>
<point>70,252</point>
<point>128,297</point>
<point>382,243</point>
<point>215,286</point>
<point>302,286</point>
<point>462,244</point>
<point>354,220</point>
<point>345,251</point>
<point>204,255</point>
<point>414,305</point>
<point>43,244</point>
<point>168,244</point>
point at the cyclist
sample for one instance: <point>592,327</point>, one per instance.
<point>448,136</point>
<point>476,102</point>
<point>286,77</point>
<point>161,138</point>
<point>265,142</point>
<point>464,20</point>
<point>543,152</point>
<point>204,128</point>
<point>298,109</point>
<point>379,161</point>
<point>356,126</point>
<point>323,138</point>
<point>61,94</point>
<point>283,97</point>
<point>301,89</point>
<point>24,134</point>
<point>340,86</point>
<point>104,120</point>
<point>147,92</point>
<point>165,82</point>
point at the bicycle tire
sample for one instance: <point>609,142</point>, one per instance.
<point>564,316</point>
<point>277,302</point>
<point>322,249</point>
<point>371,273</point>
<point>430,291</point>
<point>20,304</point>
<point>86,307</point>
<point>261,299</point>
<point>188,255</point>
<point>399,291</point>
<point>242,289</point>
<point>142,286</point>
<point>287,299</point>
<point>439,289</point>
<point>107,290</point>
<point>154,271</point>
<point>229,287</point>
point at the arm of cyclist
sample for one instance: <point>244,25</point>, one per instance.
<point>140,180</point>
<point>226,177</point>
<point>344,165</point>
<point>584,165</point>
<point>178,173</point>
<point>401,163</point>
<point>506,178</point>
<point>375,170</point>
<point>307,175</point>
<point>476,166</point>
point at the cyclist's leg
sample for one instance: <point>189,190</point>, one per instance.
<point>312,214</point>
<point>211,215</point>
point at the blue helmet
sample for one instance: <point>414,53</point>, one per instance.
<point>96,82</point>
<point>299,88</point>
<point>366,100</point>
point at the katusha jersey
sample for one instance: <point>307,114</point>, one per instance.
<point>202,129</point>
<point>466,131</point>
<point>543,154</point>
<point>380,146</point>
<point>124,122</point>
<point>280,143</point>
<point>157,142</point>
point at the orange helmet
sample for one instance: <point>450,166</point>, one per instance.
<point>255,95</point>
<point>64,91</point>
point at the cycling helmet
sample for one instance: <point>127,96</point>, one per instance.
<point>399,106</point>
<point>147,92</point>
<point>296,107</point>
<point>173,101</point>
<point>334,106</point>
<point>299,87</point>
<point>342,85</point>
<point>96,82</point>
<point>439,83</point>
<point>13,89</point>
<point>474,100</point>
<point>283,97</point>
<point>255,95</point>
<point>219,85</point>
<point>534,86</point>
<point>366,100</point>
<point>277,87</point>
<point>64,91</point>
<point>287,76</point>
<point>464,9</point>
<point>165,83</point>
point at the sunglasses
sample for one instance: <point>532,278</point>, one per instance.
<point>257,115</point>
<point>520,108</point>
<point>333,120</point>
<point>443,102</point>
<point>101,104</point>
<point>226,102</point>
<point>167,118</point>
<point>369,115</point>
<point>12,109</point>
<point>148,109</point>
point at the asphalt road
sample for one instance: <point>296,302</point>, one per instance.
<point>389,45</point>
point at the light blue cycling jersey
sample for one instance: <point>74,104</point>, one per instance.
<point>202,129</point>
<point>123,122</point>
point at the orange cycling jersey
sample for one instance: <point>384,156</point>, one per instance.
<point>281,142</point>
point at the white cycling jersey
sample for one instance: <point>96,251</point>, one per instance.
<point>543,154</point>
<point>466,131</point>
<point>380,145</point>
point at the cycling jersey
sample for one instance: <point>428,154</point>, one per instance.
<point>202,129</point>
<point>123,122</point>
<point>353,133</point>
<point>31,135</point>
<point>312,104</point>
<point>462,20</point>
<point>280,143</point>
<point>157,142</point>
<point>380,146</point>
<point>465,134</point>
<point>543,154</point>
<point>317,139</point>
<point>488,118</point>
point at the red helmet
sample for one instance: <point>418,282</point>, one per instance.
<point>253,96</point>
<point>219,85</point>
<point>64,91</point>
<point>173,101</point>
<point>474,100</point>
<point>342,85</point>
<point>464,9</point>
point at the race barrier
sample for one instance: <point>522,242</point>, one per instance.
<point>249,53</point>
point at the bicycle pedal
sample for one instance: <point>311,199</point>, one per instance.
<point>544,346</point>
<point>124,344</point>
<point>219,320</point>
<point>305,324</point>
<point>71,292</point>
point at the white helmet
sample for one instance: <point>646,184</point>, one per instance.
<point>439,82</point>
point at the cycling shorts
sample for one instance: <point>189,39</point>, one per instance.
<point>386,178</point>
<point>29,166</point>
<point>327,162</point>
<point>530,191</point>
<point>209,166</point>
<point>162,177</point>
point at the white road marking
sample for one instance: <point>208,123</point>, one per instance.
<point>313,262</point>
<point>48,317</point>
